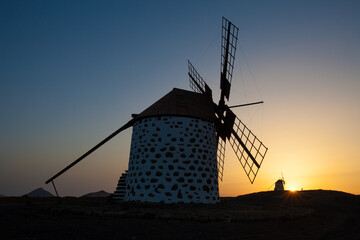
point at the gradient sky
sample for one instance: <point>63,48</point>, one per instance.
<point>72,72</point>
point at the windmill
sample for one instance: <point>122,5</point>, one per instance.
<point>178,144</point>
<point>280,184</point>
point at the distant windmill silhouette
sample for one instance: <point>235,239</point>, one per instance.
<point>280,184</point>
<point>178,143</point>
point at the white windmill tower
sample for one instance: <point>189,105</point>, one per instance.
<point>178,143</point>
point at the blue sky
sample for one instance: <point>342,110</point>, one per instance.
<point>71,72</point>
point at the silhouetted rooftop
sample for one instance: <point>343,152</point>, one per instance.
<point>181,102</point>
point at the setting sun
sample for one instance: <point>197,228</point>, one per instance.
<point>292,189</point>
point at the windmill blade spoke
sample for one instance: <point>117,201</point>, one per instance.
<point>196,82</point>
<point>127,125</point>
<point>248,148</point>
<point>220,157</point>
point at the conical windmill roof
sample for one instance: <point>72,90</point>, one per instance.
<point>179,102</point>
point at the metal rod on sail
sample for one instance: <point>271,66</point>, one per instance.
<point>246,104</point>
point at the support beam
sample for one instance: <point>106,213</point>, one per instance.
<point>55,188</point>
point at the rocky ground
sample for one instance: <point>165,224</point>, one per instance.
<point>316,214</point>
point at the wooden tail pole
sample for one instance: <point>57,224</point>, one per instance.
<point>91,150</point>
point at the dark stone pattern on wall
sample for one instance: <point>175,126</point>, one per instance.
<point>173,159</point>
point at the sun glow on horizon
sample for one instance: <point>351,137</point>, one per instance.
<point>292,189</point>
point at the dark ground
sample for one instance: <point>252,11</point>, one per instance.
<point>316,214</point>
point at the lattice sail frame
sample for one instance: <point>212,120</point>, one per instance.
<point>220,157</point>
<point>233,37</point>
<point>199,85</point>
<point>253,144</point>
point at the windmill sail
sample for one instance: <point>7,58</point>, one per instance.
<point>228,48</point>
<point>248,148</point>
<point>196,81</point>
<point>220,157</point>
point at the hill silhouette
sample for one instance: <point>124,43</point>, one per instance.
<point>39,192</point>
<point>101,193</point>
